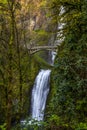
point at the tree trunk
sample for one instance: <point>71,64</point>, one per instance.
<point>19,69</point>
<point>10,67</point>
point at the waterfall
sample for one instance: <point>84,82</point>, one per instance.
<point>53,55</point>
<point>39,94</point>
<point>40,91</point>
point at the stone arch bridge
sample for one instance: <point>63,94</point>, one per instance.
<point>35,49</point>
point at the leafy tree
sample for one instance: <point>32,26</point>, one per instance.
<point>70,69</point>
<point>10,64</point>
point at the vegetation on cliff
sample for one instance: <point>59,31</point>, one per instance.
<point>69,100</point>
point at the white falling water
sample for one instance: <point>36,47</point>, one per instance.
<point>53,55</point>
<point>39,94</point>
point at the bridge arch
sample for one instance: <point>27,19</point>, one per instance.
<point>35,49</point>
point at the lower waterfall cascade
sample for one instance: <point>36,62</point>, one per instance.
<point>39,94</point>
<point>40,91</point>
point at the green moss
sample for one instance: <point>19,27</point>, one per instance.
<point>41,62</point>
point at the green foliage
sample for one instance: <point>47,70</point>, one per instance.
<point>69,97</point>
<point>3,127</point>
<point>41,36</point>
<point>4,1</point>
<point>22,67</point>
<point>41,62</point>
<point>81,126</point>
<point>30,124</point>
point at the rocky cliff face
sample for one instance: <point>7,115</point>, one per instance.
<point>36,12</point>
<point>37,25</point>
